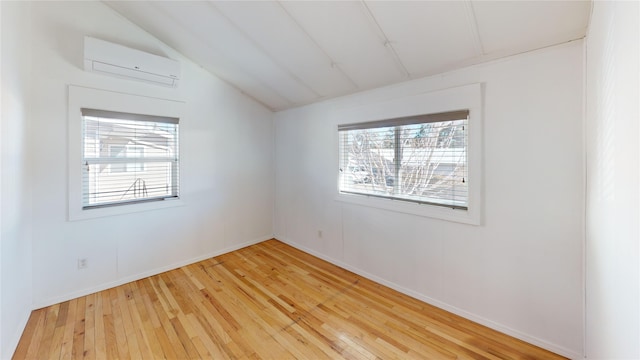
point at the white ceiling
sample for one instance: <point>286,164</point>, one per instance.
<point>290,53</point>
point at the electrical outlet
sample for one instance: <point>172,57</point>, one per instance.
<point>82,263</point>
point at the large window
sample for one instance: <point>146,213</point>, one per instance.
<point>421,159</point>
<point>128,158</point>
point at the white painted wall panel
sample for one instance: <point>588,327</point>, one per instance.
<point>15,211</point>
<point>521,270</point>
<point>613,178</point>
<point>226,164</point>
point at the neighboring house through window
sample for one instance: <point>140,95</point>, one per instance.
<point>127,151</point>
<point>128,158</point>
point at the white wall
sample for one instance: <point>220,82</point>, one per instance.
<point>521,270</point>
<point>613,178</point>
<point>226,163</point>
<point>15,209</point>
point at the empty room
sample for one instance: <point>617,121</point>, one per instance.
<point>320,179</point>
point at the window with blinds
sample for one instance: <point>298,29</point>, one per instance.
<point>128,158</point>
<point>420,159</point>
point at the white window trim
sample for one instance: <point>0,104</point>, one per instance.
<point>82,97</point>
<point>463,97</point>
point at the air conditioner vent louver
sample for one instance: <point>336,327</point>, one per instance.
<point>120,61</point>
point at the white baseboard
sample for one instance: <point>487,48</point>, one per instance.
<point>128,279</point>
<point>7,352</point>
<point>437,303</point>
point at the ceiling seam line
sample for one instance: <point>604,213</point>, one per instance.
<point>261,49</point>
<point>334,63</point>
<point>387,43</point>
<point>473,25</point>
<point>258,79</point>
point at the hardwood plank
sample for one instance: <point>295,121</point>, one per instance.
<point>144,322</point>
<point>67,337</point>
<point>207,344</point>
<point>126,344</point>
<point>56,343</point>
<point>30,340</point>
<point>90,328</point>
<point>178,324</point>
<point>51,319</point>
<point>111,350</point>
<point>266,301</point>
<point>133,324</point>
<point>100,337</point>
<point>164,330</point>
<point>202,350</point>
<point>77,348</point>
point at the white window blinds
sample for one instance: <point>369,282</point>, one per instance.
<point>420,159</point>
<point>128,158</point>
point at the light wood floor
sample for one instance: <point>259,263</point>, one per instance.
<point>267,301</point>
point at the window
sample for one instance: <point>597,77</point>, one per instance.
<point>421,159</point>
<point>128,158</point>
<point>112,147</point>
<point>435,136</point>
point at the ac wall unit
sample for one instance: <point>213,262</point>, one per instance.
<point>117,60</point>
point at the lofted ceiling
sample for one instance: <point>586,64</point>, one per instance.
<point>290,53</point>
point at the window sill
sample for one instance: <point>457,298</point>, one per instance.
<point>425,210</point>
<point>85,214</point>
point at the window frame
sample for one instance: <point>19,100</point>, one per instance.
<point>80,97</point>
<point>397,126</point>
<point>124,160</point>
<point>468,97</point>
